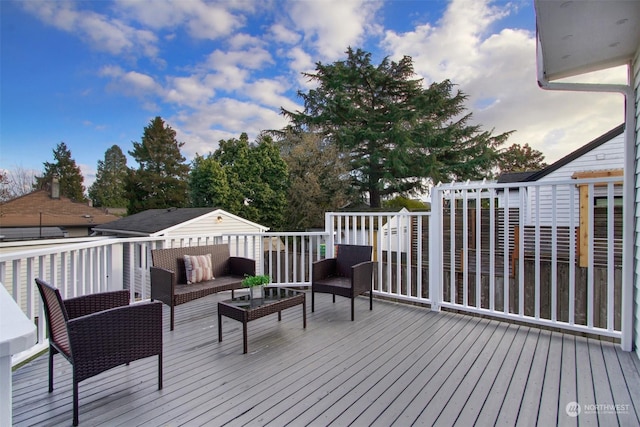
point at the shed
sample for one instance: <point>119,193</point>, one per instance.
<point>173,222</point>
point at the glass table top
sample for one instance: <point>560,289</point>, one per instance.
<point>246,298</point>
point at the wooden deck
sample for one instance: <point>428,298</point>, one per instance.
<point>397,365</point>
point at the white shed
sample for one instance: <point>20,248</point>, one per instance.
<point>194,224</point>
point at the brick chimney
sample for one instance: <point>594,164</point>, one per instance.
<point>55,187</point>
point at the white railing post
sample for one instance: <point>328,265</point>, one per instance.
<point>435,249</point>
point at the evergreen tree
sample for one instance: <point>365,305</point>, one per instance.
<point>208,184</point>
<point>394,132</point>
<point>109,188</point>
<point>68,173</point>
<point>161,179</point>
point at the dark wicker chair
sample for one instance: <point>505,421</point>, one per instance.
<point>100,331</point>
<point>349,274</point>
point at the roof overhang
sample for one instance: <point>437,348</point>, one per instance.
<point>577,37</point>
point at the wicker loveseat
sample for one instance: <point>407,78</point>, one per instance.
<point>169,279</point>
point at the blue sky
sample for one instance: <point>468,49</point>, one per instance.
<point>94,73</point>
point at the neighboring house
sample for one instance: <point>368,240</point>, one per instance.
<point>44,214</point>
<point>196,222</point>
<point>602,157</point>
<point>575,38</point>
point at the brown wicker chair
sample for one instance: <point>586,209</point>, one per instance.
<point>349,274</point>
<point>100,331</point>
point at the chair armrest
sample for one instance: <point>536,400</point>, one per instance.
<point>362,276</point>
<point>101,341</point>
<point>240,266</point>
<point>94,303</point>
<point>162,284</point>
<point>323,268</point>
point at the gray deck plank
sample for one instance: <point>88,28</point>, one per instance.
<point>547,414</point>
<point>621,395</point>
<point>481,372</point>
<point>568,392</point>
<point>493,389</point>
<point>358,370</point>
<point>433,411</point>
<point>532,394</point>
<point>321,369</point>
<point>367,387</point>
<point>511,406</point>
<point>448,374</point>
<point>436,350</point>
<point>380,386</point>
<point>395,365</point>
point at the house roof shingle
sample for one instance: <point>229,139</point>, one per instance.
<point>38,209</point>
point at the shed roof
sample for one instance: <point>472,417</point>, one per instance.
<point>156,221</point>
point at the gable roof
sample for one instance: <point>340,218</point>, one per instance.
<point>536,175</point>
<point>38,208</point>
<point>156,221</point>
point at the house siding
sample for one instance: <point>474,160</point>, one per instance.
<point>209,225</point>
<point>636,272</point>
<point>607,156</point>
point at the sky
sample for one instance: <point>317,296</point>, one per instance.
<point>93,74</point>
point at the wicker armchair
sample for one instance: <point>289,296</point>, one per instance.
<point>349,274</point>
<point>100,331</point>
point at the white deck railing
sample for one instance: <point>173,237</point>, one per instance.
<point>466,258</point>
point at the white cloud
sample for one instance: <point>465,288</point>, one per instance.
<point>253,58</point>
<point>333,25</point>
<point>270,93</point>
<point>100,31</point>
<point>498,73</point>
<point>190,91</point>
<point>282,34</point>
<point>226,118</point>
<point>203,20</point>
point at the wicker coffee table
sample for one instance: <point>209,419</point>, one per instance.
<point>244,310</point>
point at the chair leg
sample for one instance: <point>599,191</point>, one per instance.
<point>173,309</point>
<point>75,403</point>
<point>370,300</point>
<point>160,371</point>
<point>352,308</point>
<point>51,369</point>
<point>313,301</point>
<point>334,298</point>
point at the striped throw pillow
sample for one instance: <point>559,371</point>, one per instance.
<point>198,268</point>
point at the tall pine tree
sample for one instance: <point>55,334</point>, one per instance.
<point>161,179</point>
<point>68,173</point>
<point>393,132</point>
<point>109,188</point>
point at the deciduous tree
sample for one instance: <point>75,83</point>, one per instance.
<point>520,158</point>
<point>394,132</point>
<point>319,179</point>
<point>160,181</point>
<point>16,182</point>
<point>257,177</point>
